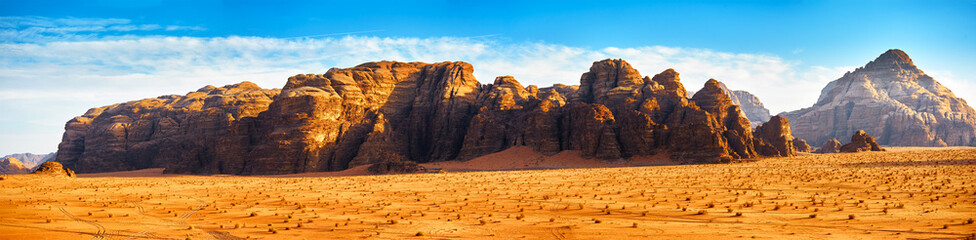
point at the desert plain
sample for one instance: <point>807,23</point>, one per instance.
<point>903,193</point>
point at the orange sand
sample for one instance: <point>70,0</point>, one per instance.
<point>899,194</point>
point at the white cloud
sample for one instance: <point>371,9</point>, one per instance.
<point>80,70</point>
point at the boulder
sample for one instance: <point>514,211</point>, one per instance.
<point>861,142</point>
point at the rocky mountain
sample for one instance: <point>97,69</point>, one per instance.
<point>202,127</point>
<point>32,160</point>
<point>893,99</point>
<point>12,165</point>
<point>392,115</point>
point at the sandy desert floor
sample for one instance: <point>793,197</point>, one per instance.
<point>925,193</point>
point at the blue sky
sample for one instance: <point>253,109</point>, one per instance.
<point>59,58</point>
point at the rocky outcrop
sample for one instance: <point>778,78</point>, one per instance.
<point>54,169</point>
<point>801,145</point>
<point>206,131</point>
<point>393,115</point>
<point>363,115</point>
<point>861,142</point>
<point>32,160</point>
<point>773,138</point>
<point>12,165</point>
<point>831,146</point>
<point>893,99</point>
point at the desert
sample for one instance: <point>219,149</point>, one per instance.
<point>162,119</point>
<point>901,193</point>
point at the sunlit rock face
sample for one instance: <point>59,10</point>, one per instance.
<point>392,115</point>
<point>201,132</point>
<point>894,101</point>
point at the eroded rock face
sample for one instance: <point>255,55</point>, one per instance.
<point>831,146</point>
<point>11,165</point>
<point>54,169</point>
<point>206,131</point>
<point>392,115</point>
<point>861,142</point>
<point>774,138</point>
<point>362,115</point>
<point>894,100</point>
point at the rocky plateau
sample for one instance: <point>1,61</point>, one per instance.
<point>392,115</point>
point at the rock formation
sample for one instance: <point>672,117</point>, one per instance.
<point>31,160</point>
<point>204,131</point>
<point>54,169</point>
<point>12,165</point>
<point>392,115</point>
<point>831,146</point>
<point>801,145</point>
<point>861,142</point>
<point>894,100</point>
<point>750,105</point>
<point>773,138</point>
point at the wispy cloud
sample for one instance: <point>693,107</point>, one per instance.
<point>33,29</point>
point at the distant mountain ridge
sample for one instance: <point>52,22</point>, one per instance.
<point>32,160</point>
<point>891,99</point>
<point>11,165</point>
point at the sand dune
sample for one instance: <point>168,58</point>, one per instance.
<point>899,194</point>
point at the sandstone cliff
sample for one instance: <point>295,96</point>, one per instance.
<point>893,99</point>
<point>392,115</point>
<point>202,131</point>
